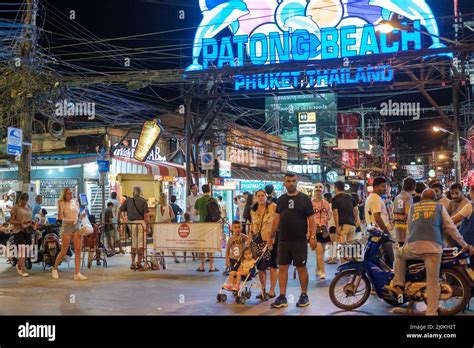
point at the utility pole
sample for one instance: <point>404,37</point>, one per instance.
<point>188,141</point>
<point>456,86</point>
<point>26,114</point>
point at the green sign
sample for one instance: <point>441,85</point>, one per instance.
<point>287,108</point>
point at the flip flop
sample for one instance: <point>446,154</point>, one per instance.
<point>200,270</point>
<point>214,270</point>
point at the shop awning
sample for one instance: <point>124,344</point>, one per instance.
<point>129,166</point>
<point>251,174</point>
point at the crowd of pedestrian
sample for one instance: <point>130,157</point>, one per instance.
<point>423,218</point>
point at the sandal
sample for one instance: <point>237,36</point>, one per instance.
<point>200,270</point>
<point>133,266</point>
<point>214,270</point>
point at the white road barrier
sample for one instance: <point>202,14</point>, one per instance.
<point>197,237</point>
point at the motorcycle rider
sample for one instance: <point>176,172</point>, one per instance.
<point>426,223</point>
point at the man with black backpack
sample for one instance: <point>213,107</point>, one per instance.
<point>208,210</point>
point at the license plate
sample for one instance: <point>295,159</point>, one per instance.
<point>51,245</point>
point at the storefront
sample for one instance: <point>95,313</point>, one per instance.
<point>48,181</point>
<point>257,158</point>
<point>152,177</point>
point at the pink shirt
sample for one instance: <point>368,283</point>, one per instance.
<point>321,212</point>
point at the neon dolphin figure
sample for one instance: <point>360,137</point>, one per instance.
<point>413,10</point>
<point>215,20</point>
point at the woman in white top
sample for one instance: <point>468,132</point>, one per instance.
<point>164,215</point>
<point>69,214</point>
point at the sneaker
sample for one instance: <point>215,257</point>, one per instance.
<point>79,276</point>
<point>303,301</point>
<point>280,302</point>
<point>19,271</point>
<point>55,274</point>
<point>25,275</point>
<point>322,275</point>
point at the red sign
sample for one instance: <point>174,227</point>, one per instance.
<point>347,126</point>
<point>184,231</point>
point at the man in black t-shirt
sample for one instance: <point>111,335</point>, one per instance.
<point>292,219</point>
<point>346,214</point>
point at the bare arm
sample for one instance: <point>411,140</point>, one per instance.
<point>465,212</point>
<point>312,225</point>
<point>356,216</point>
<point>450,228</point>
<point>336,217</point>
<point>379,221</point>
<point>276,222</point>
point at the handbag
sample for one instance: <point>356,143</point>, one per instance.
<point>258,244</point>
<point>85,227</point>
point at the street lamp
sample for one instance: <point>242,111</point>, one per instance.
<point>457,151</point>
<point>441,156</point>
<point>440,129</point>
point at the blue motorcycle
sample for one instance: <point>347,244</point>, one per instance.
<point>351,287</point>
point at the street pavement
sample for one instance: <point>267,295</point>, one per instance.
<point>178,290</point>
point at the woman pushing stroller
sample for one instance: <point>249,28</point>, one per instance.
<point>262,215</point>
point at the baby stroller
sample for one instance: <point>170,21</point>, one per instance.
<point>94,248</point>
<point>247,283</point>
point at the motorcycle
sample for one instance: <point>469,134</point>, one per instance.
<point>351,287</point>
<point>50,246</point>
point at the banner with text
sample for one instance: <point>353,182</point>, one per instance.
<point>198,237</point>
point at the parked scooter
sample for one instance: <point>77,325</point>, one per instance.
<point>50,246</point>
<point>352,285</point>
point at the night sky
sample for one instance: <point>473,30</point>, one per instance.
<point>112,18</point>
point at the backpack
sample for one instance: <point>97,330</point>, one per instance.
<point>213,211</point>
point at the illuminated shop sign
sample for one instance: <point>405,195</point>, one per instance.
<point>304,168</point>
<point>254,185</point>
<point>275,32</point>
<point>307,129</point>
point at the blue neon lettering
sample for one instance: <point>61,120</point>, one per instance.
<point>226,53</point>
<point>329,43</point>
<point>385,47</point>
<point>414,36</point>
<point>274,82</point>
<point>300,45</point>
<point>369,41</point>
<point>277,47</point>
<point>347,41</point>
<point>209,56</point>
<point>240,40</point>
<point>262,38</point>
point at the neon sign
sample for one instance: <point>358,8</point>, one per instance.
<point>283,31</point>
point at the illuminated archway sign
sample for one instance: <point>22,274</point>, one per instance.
<point>150,134</point>
<point>284,31</point>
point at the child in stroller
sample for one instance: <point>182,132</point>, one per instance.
<point>242,278</point>
<point>245,267</point>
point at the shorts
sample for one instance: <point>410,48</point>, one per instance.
<point>112,233</point>
<point>22,237</point>
<point>70,229</point>
<point>137,230</point>
<point>234,264</point>
<point>274,256</point>
<point>295,251</point>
